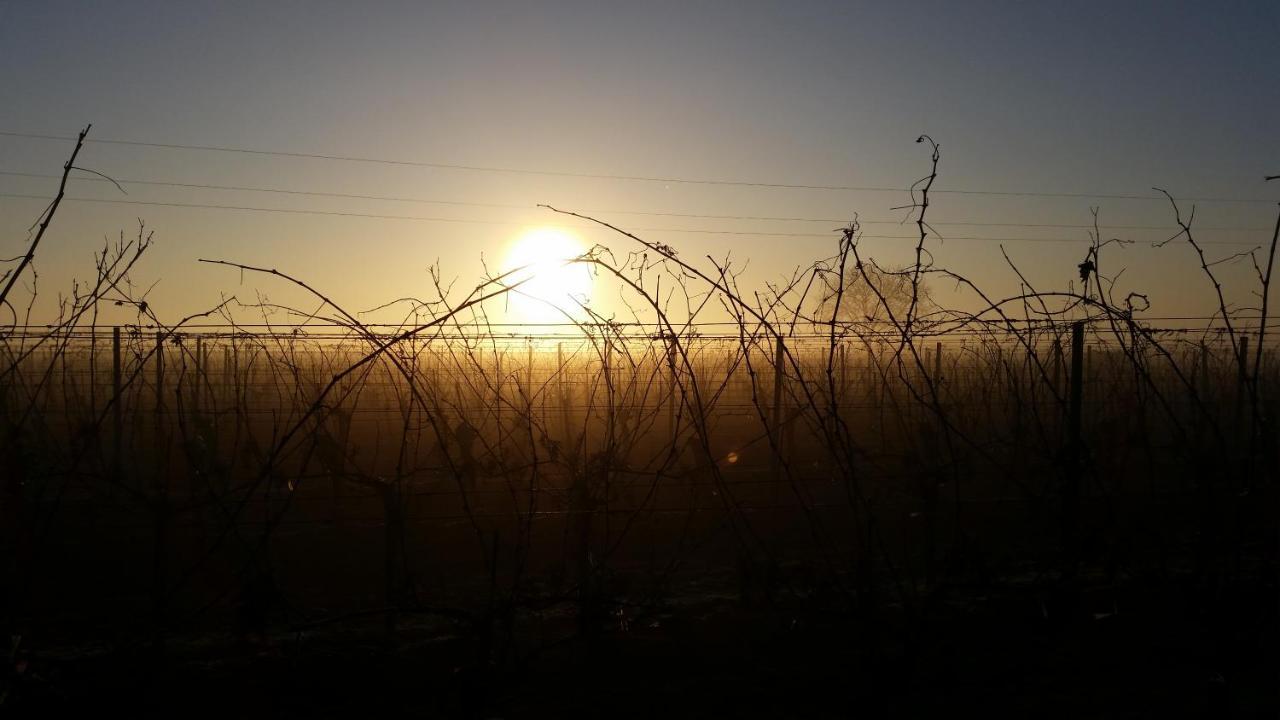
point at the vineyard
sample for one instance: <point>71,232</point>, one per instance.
<point>196,488</point>
<point>556,459</point>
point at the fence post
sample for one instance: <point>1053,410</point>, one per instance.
<point>1071,490</point>
<point>672,382</point>
<point>611,429</point>
<point>228,380</point>
<point>844,371</point>
<point>195,386</point>
<point>93,372</point>
<point>1088,363</point>
<point>240,385</point>
<point>1242,382</point>
<point>1057,364</point>
<point>159,372</point>
<point>160,487</point>
<point>1204,371</point>
<point>1242,392</point>
<point>562,385</point>
<point>497,392</point>
<point>1244,357</point>
<point>779,377</point>
<point>528,389</point>
<point>117,409</point>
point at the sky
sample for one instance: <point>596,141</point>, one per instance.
<point>1078,100</point>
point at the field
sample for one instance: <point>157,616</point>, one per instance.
<point>834,481</point>
<point>175,486</point>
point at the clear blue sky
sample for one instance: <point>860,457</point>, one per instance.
<point>1075,97</point>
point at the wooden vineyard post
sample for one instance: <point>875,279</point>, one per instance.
<point>159,375</point>
<point>672,385</point>
<point>589,394</point>
<point>1244,357</point>
<point>1203,373</point>
<point>790,423</point>
<point>117,403</point>
<point>844,372</point>
<point>195,386</point>
<point>437,371</point>
<point>610,415</point>
<point>1071,489</point>
<point>577,526</point>
<point>1242,379</point>
<point>528,392</point>
<point>62,364</point>
<point>497,396</point>
<point>1242,396</point>
<point>562,385</point>
<point>1088,361</point>
<point>93,372</point>
<point>1057,365</point>
<point>240,387</point>
<point>228,380</point>
<point>937,363</point>
<point>159,491</point>
<point>779,377</point>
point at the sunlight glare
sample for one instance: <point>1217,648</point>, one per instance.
<point>554,287</point>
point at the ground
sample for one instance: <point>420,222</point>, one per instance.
<point>1137,650</point>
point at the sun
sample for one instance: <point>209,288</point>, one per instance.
<point>553,285</point>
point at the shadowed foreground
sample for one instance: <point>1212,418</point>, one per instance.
<point>1003,651</point>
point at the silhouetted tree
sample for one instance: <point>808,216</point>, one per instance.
<point>888,293</point>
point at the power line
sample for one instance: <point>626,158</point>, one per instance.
<point>471,221</point>
<point>513,206</point>
<point>262,209</point>
<point>281,191</point>
<point>603,176</point>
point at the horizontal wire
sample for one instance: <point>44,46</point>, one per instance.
<point>470,221</point>
<point>613,324</point>
<point>514,206</point>
<point>598,176</point>
<point>885,338</point>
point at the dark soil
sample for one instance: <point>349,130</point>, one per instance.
<point>1172,649</point>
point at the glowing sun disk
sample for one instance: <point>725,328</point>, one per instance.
<point>552,286</point>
